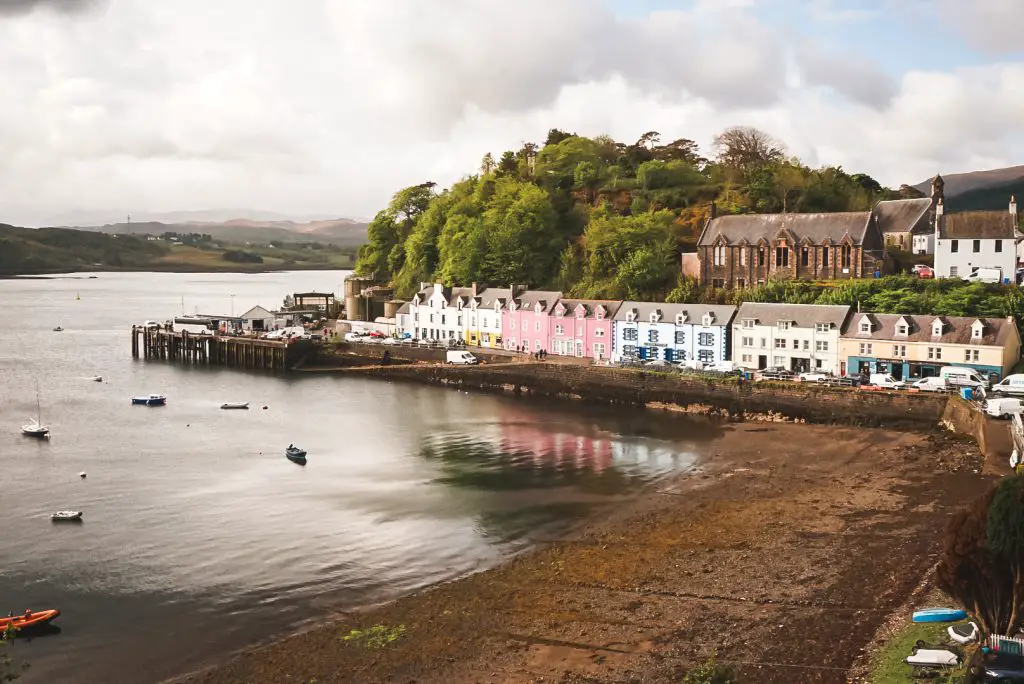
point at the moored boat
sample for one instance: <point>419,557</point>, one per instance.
<point>29,619</point>
<point>34,429</point>
<point>67,516</point>
<point>58,329</point>
<point>150,400</point>
<point>295,454</point>
<point>97,378</point>
<point>235,405</point>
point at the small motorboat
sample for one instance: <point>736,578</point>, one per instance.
<point>34,429</point>
<point>235,405</point>
<point>150,400</point>
<point>295,454</point>
<point>98,378</point>
<point>67,516</point>
<point>29,619</point>
<point>58,329</point>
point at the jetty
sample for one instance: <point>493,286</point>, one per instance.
<point>214,349</point>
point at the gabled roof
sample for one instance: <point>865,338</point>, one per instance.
<point>694,312</point>
<point>546,298</point>
<point>490,295</point>
<point>454,293</point>
<point>957,330</point>
<point>610,307</point>
<point>903,216</point>
<point>978,225</point>
<point>816,227</point>
<point>803,315</point>
<point>404,309</point>
<point>255,313</point>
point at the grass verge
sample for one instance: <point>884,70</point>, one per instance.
<point>888,666</point>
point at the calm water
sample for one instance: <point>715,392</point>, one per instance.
<point>200,538</point>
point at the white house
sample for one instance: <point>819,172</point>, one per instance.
<point>257,319</point>
<point>970,240</point>
<point>798,337</point>
<point>485,310</point>
<point>673,332</point>
<point>441,313</point>
<point>924,243</point>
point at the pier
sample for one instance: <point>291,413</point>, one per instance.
<point>229,351</point>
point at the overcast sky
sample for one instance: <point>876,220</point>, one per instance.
<point>328,106</point>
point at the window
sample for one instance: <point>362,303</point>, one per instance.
<point>935,353</point>
<point>472,321</point>
<point>748,342</point>
<point>718,282</point>
<point>599,332</point>
<point>719,255</point>
<point>821,346</point>
<point>458,321</point>
<point>971,355</point>
<point>976,331</point>
<point>866,349</point>
<point>899,351</point>
<point>937,329</point>
<point>999,246</point>
<point>779,361</point>
<point>764,342</point>
<point>783,325</point>
<point>902,329</point>
<point>781,257</point>
<point>824,256</point>
<point>416,317</point>
<point>954,246</point>
<point>706,355</point>
<point>652,335</point>
<point>805,256</point>
<point>628,334</point>
<point>740,282</point>
<point>807,345</point>
<point>780,344</point>
<point>748,324</point>
<point>536,326</point>
<point>680,337</point>
<point>629,350</point>
<point>598,350</point>
<point>847,252</point>
<point>536,345</point>
<point>819,364</point>
<point>748,358</point>
<point>822,327</point>
<point>431,318</point>
<point>760,256</point>
<point>976,247</point>
<point>743,256</point>
<point>581,313</point>
<point>865,327</point>
<point>706,339</point>
<point>953,272</point>
<point>559,330</point>
<point>796,345</point>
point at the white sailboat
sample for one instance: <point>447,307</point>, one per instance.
<point>36,427</point>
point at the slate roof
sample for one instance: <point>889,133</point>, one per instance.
<point>957,330</point>
<point>694,312</point>
<point>456,292</point>
<point>486,299</point>
<point>404,309</point>
<point>530,298</point>
<point>610,306</point>
<point>815,227</point>
<point>425,293</point>
<point>256,312</point>
<point>903,216</point>
<point>968,225</point>
<point>801,315</point>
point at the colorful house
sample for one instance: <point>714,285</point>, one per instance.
<point>485,317</point>
<point>797,337</point>
<point>582,327</point>
<point>913,347</point>
<point>524,322</point>
<point>672,332</point>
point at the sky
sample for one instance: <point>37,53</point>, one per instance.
<point>327,107</point>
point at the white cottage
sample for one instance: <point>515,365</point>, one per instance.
<point>797,337</point>
<point>485,311</point>
<point>971,240</point>
<point>257,319</point>
<point>440,313</point>
<point>672,332</point>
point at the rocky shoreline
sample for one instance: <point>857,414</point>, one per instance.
<point>783,558</point>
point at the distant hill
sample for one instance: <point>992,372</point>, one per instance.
<point>980,189</point>
<point>340,232</point>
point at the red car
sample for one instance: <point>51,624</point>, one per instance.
<point>924,271</point>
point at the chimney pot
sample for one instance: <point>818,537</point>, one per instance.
<point>714,210</point>
<point>1013,205</point>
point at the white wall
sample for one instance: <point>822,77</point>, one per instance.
<point>819,349</point>
<point>965,260</point>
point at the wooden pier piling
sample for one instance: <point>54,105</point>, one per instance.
<point>229,351</point>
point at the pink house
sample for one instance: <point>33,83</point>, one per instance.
<point>524,322</point>
<point>582,327</point>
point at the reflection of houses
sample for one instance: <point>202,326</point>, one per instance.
<point>673,332</point>
<point>581,327</point>
<point>551,448</point>
<point>798,337</point>
<point>911,347</point>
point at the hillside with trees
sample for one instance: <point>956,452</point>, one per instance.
<point>595,217</point>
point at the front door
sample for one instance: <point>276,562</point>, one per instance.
<point>579,347</point>
<point>762,362</point>
<point>897,370</point>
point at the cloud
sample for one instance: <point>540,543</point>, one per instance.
<point>13,7</point>
<point>331,108</point>
<point>991,26</point>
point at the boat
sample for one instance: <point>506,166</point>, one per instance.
<point>29,619</point>
<point>939,615</point>
<point>67,516</point>
<point>235,405</point>
<point>150,400</point>
<point>58,329</point>
<point>36,428</point>
<point>295,454</point>
<point>98,378</point>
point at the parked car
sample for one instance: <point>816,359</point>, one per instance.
<point>1004,407</point>
<point>777,373</point>
<point>721,367</point>
<point>846,381</point>
<point>932,384</point>
<point>391,341</point>
<point>924,271</point>
<point>353,337</point>
<point>813,376</point>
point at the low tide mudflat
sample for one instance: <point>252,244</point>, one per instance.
<point>783,558</point>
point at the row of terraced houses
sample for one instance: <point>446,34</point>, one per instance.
<point>832,339</point>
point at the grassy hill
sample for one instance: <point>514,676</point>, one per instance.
<point>984,190</point>
<point>340,232</point>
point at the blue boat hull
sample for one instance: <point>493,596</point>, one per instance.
<point>939,615</point>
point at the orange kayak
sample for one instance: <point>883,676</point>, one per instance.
<point>29,619</point>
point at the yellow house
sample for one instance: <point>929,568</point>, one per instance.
<point>912,347</point>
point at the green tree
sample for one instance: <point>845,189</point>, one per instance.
<point>521,242</point>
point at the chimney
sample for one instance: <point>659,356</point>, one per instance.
<point>1013,205</point>
<point>473,289</point>
<point>938,223</point>
<point>713,211</point>
<point>423,286</point>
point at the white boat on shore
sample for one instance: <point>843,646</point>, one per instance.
<point>66,516</point>
<point>235,405</point>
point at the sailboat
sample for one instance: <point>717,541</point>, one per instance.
<point>59,327</point>
<point>36,427</point>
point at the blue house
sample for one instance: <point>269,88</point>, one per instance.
<point>672,332</point>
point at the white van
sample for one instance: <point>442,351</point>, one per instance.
<point>1004,407</point>
<point>1011,384</point>
<point>986,275</point>
<point>461,357</point>
<point>886,381</point>
<point>961,376</point>
<point>932,384</point>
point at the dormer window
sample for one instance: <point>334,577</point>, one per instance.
<point>599,313</point>
<point>783,325</point>
<point>865,326</point>
<point>977,330</point>
<point>655,316</point>
<point>560,312</point>
<point>631,316</point>
<point>902,329</point>
<point>937,329</point>
<point>748,323</point>
<point>680,318</point>
<point>708,319</point>
<point>580,313</point>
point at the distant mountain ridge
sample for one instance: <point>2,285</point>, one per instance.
<point>980,190</point>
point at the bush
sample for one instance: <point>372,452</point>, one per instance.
<point>710,673</point>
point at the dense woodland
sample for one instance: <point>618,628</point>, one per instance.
<point>594,217</point>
